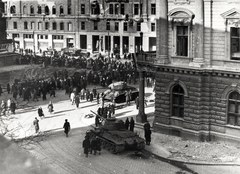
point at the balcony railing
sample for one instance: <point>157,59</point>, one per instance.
<point>146,57</point>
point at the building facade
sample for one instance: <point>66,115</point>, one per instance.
<point>92,25</point>
<point>197,67</point>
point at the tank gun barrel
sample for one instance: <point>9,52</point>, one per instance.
<point>98,115</point>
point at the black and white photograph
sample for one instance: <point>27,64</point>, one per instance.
<point>120,86</point>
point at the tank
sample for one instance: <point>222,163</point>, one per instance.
<point>115,138</point>
<point>117,91</point>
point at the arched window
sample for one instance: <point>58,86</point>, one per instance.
<point>13,9</point>
<point>61,10</point>
<point>61,26</point>
<point>69,10</point>
<point>234,109</point>
<point>39,9</point>
<point>53,10</point>
<point>31,9</point>
<point>178,101</point>
<point>24,9</point>
<point>46,10</point>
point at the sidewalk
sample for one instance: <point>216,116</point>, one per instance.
<point>162,146</point>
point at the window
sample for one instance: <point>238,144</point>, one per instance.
<point>234,109</point>
<point>82,8</point>
<point>116,26</point>
<point>110,8</point>
<point>61,26</point>
<point>61,10</point>
<point>153,9</point>
<point>53,10</point>
<point>25,25</point>
<point>153,27</point>
<point>54,26</point>
<point>116,8</point>
<point>32,26</point>
<point>27,36</point>
<point>70,26</point>
<point>178,101</point>
<point>13,9</point>
<point>235,43</point>
<point>15,35</point>
<point>125,26</point>
<point>69,10</point>
<point>82,25</point>
<point>58,37</point>
<point>32,10</point>
<point>136,8</point>
<point>39,25</point>
<point>46,25</point>
<point>39,9</point>
<point>138,26</point>
<point>182,41</point>
<point>14,25</point>
<point>122,9</point>
<point>108,26</point>
<point>46,10</point>
<point>95,25</point>
<point>24,9</point>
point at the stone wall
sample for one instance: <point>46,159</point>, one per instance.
<point>205,108</point>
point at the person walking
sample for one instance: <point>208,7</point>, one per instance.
<point>50,107</point>
<point>13,107</point>
<point>40,112</point>
<point>137,102</point>
<point>132,123</point>
<point>93,146</point>
<point>77,101</point>
<point>147,133</point>
<point>36,125</point>
<point>72,97</point>
<point>86,145</point>
<point>66,127</point>
<point>126,124</point>
<point>91,96</point>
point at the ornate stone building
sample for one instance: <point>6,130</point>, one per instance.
<point>197,67</point>
<point>92,25</point>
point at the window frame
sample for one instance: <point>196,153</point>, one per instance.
<point>235,115</point>
<point>25,25</point>
<point>177,105</point>
<point>182,36</point>
<point>54,10</point>
<point>54,25</point>
<point>83,25</point>
<point>39,11</point>
<point>61,26</point>
<point>138,26</point>
<point>83,9</point>
<point>116,26</point>
<point>15,25</point>
<point>32,10</point>
<point>136,8</point>
<point>95,25</point>
<point>61,10</point>
<point>153,27</point>
<point>122,9</point>
<point>47,25</point>
<point>125,26</point>
<point>153,9</point>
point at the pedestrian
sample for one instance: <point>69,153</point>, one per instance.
<point>99,145</point>
<point>132,123</point>
<point>97,122</point>
<point>137,102</point>
<point>52,92</point>
<point>77,101</point>
<point>86,145</point>
<point>36,124</point>
<point>72,97</point>
<point>40,112</point>
<point>8,88</point>
<point>3,107</point>
<point>98,97</point>
<point>126,124</point>
<point>91,96</point>
<point>50,107</point>
<point>147,133</point>
<point>1,90</point>
<point>93,146</point>
<point>8,105</point>
<point>13,107</point>
<point>66,127</point>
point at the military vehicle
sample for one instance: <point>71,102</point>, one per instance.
<point>114,136</point>
<point>118,90</point>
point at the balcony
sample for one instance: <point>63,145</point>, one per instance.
<point>146,57</point>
